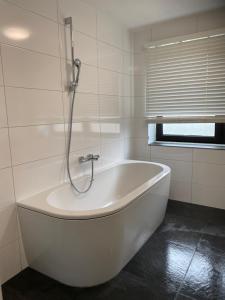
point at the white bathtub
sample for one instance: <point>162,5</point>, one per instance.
<point>85,240</point>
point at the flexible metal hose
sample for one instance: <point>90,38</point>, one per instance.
<point>70,129</point>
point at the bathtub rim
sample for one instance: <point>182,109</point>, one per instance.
<point>38,202</point>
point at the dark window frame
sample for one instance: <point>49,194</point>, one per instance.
<point>219,137</point>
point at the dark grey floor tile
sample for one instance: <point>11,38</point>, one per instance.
<point>215,228</point>
<point>183,297</point>
<point>161,265</point>
<point>205,278</point>
<point>213,244</point>
<point>180,231</point>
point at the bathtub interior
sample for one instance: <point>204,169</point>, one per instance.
<point>110,186</point>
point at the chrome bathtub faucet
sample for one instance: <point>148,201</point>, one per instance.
<point>88,157</point>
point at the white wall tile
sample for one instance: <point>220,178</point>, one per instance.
<point>85,48</point>
<point>110,57</point>
<point>112,151</point>
<point>126,107</point>
<point>5,160</point>
<point>109,30</point>
<point>8,226</point>
<point>86,107</point>
<point>209,174</point>
<point>24,68</point>
<point>110,107</point>
<point>24,29</point>
<point>209,156</point>
<point>136,128</point>
<point>88,80</point>
<point>32,106</point>
<point>3,116</point>
<point>47,173</point>
<point>78,169</point>
<point>174,153</point>
<point>85,135</point>
<point>111,129</point>
<point>84,15</point>
<point>126,85</point>
<point>141,38</point>
<point>6,189</point>
<point>139,63</point>
<point>138,107</point>
<point>181,191</point>
<point>139,85</point>
<point>203,194</point>
<point>139,149</point>
<point>9,261</point>
<point>46,8</point>
<point>109,82</point>
<point>180,170</point>
<point>127,63</point>
<point>36,142</point>
<point>1,75</point>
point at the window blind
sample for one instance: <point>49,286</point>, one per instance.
<point>186,79</point>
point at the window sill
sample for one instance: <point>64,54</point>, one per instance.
<point>189,145</point>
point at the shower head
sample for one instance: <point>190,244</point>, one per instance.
<point>77,63</point>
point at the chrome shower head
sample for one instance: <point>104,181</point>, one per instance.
<point>77,63</point>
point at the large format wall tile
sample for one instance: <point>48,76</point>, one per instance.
<point>9,261</point>
<point>33,107</point>
<point>208,195</point>
<point>209,174</point>
<point>110,107</point>
<point>26,30</point>
<point>47,173</point>
<point>3,116</point>
<point>86,109</point>
<point>110,57</point>
<point>109,82</point>
<point>109,31</point>
<point>36,142</point>
<point>47,8</point>
<point>209,156</point>
<point>85,135</point>
<point>84,16</point>
<point>88,80</point>
<point>5,160</point>
<point>174,153</point>
<point>6,189</point>
<point>1,75</point>
<point>23,68</point>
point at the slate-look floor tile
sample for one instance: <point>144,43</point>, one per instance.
<point>206,277</point>
<point>164,269</point>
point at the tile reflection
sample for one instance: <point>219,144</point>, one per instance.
<point>16,33</point>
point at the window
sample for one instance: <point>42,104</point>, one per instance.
<point>191,132</point>
<point>185,78</point>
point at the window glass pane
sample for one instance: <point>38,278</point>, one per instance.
<point>189,129</point>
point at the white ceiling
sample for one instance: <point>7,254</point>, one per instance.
<point>135,13</point>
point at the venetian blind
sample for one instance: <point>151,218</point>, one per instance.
<point>186,78</point>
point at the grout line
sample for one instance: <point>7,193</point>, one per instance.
<point>182,282</point>
<point>11,167</point>
<point>32,11</point>
<point>3,44</point>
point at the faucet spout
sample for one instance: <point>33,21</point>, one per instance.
<point>88,157</point>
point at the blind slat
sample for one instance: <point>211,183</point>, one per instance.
<point>187,78</point>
